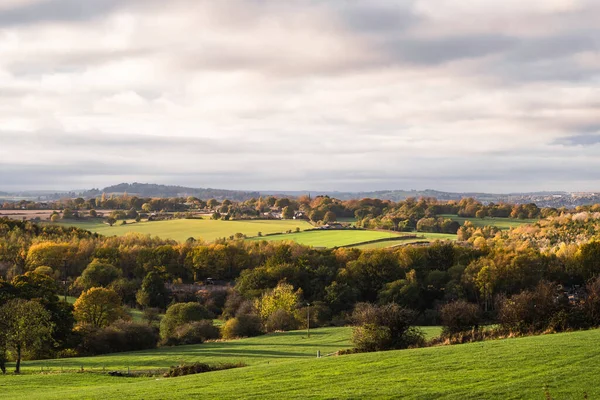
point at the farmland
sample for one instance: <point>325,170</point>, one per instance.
<point>284,365</point>
<point>209,230</point>
<point>182,229</point>
<point>422,237</point>
<point>333,238</point>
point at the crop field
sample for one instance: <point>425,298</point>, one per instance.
<point>332,238</point>
<point>502,223</point>
<point>182,229</point>
<point>284,365</point>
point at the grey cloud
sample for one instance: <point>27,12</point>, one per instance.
<point>440,50</point>
<point>376,16</point>
<point>58,11</point>
<point>580,140</point>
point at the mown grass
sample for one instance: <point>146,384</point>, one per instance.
<point>502,223</point>
<point>182,229</point>
<point>421,238</point>
<point>566,365</point>
<point>331,238</point>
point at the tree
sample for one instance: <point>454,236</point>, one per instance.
<point>384,327</point>
<point>67,213</point>
<point>282,297</point>
<point>97,274</point>
<point>287,213</point>
<point>329,217</point>
<point>459,316</point>
<point>98,307</point>
<point>93,213</point>
<point>26,326</point>
<point>153,292</point>
<point>110,221</point>
<point>182,313</point>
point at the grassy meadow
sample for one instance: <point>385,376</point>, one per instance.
<point>182,229</point>
<point>332,238</point>
<point>284,365</point>
<point>209,230</point>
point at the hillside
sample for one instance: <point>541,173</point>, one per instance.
<point>282,366</point>
<point>156,190</point>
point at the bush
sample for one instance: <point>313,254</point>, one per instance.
<point>182,313</point>
<point>371,337</point>
<point>459,316</point>
<point>385,327</point>
<point>198,368</point>
<point>281,320</point>
<point>243,325</point>
<point>117,337</point>
<point>195,332</point>
<point>531,311</point>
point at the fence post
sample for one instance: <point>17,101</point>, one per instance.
<point>318,353</point>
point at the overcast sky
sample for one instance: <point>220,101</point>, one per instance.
<point>454,95</point>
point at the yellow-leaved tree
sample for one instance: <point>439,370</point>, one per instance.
<point>98,307</point>
<point>282,297</point>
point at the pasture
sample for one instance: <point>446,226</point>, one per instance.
<point>332,238</point>
<point>502,223</point>
<point>422,237</point>
<point>284,365</point>
<point>182,229</point>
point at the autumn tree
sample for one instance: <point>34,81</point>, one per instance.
<point>282,297</point>
<point>26,326</point>
<point>98,307</point>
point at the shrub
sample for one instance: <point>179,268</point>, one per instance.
<point>385,327</point>
<point>459,316</point>
<point>530,311</point>
<point>182,313</point>
<point>371,337</point>
<point>198,368</point>
<point>281,320</point>
<point>195,332</point>
<point>117,337</point>
<point>243,325</point>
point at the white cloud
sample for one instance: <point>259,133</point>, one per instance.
<point>298,95</point>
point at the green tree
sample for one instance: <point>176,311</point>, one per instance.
<point>97,274</point>
<point>288,212</point>
<point>153,292</point>
<point>182,313</point>
<point>98,307</point>
<point>26,327</point>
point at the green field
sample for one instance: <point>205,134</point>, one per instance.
<point>502,223</point>
<point>333,238</point>
<point>284,366</point>
<point>182,229</point>
<point>422,238</point>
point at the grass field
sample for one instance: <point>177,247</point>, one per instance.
<point>284,366</point>
<point>422,237</point>
<point>333,238</point>
<point>182,229</point>
<point>502,223</point>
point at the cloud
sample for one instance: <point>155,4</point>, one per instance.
<point>333,95</point>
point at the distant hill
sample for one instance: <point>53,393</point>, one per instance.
<point>154,190</point>
<point>541,199</point>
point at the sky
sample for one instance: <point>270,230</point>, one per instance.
<point>454,95</point>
